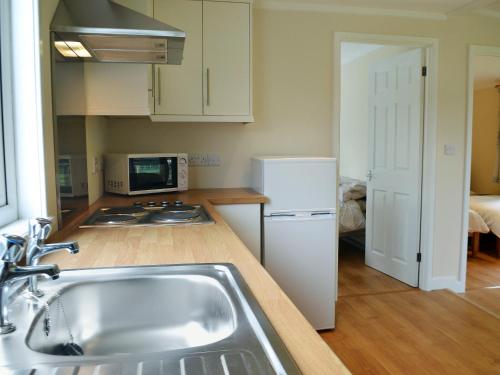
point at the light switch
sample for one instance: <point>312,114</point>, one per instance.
<point>450,149</point>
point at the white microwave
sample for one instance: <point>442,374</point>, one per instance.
<point>134,174</point>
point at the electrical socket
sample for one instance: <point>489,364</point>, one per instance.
<point>204,160</point>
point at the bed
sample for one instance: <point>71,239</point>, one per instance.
<point>352,207</point>
<point>487,209</point>
<point>476,227</point>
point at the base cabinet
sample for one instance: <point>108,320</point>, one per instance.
<point>245,221</point>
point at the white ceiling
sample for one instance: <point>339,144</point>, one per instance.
<point>431,8</point>
<point>486,72</point>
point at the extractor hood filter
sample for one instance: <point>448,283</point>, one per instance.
<point>109,32</point>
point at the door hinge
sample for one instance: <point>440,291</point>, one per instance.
<point>419,257</point>
<point>424,71</point>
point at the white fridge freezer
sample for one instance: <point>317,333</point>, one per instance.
<point>299,234</point>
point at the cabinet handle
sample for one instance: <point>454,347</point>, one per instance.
<point>208,86</point>
<point>159,86</point>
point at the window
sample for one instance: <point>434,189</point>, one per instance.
<point>8,199</point>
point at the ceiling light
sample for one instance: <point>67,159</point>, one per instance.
<point>71,49</point>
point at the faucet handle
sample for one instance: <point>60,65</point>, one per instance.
<point>45,227</point>
<point>40,228</point>
<point>14,250</point>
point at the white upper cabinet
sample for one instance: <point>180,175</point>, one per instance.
<point>179,88</point>
<point>214,82</point>
<point>116,89</point>
<point>226,58</point>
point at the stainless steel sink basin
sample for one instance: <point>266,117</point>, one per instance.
<point>140,315</point>
<point>171,320</point>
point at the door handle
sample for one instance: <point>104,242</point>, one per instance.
<point>369,175</point>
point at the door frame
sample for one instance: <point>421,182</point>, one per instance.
<point>431,45</point>
<point>474,51</point>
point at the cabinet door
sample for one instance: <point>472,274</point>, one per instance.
<point>245,221</point>
<point>226,58</point>
<point>178,88</point>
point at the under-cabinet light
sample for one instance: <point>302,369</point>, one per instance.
<point>71,49</point>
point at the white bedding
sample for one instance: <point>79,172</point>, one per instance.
<point>352,206</point>
<point>488,207</point>
<point>476,223</point>
<point>351,217</point>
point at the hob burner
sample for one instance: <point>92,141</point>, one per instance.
<point>173,217</point>
<point>115,219</point>
<point>123,210</point>
<point>179,208</point>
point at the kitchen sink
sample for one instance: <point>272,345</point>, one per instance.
<point>138,315</point>
<point>177,320</point>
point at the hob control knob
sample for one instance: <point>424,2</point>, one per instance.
<point>178,203</point>
<point>151,204</point>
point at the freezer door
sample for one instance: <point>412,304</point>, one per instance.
<point>300,254</point>
<point>298,184</point>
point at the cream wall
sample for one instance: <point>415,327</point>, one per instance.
<point>353,156</point>
<point>293,53</point>
<point>486,123</point>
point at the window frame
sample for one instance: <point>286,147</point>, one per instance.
<point>8,212</point>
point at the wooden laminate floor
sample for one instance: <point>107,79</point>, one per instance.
<point>483,282</point>
<point>386,327</point>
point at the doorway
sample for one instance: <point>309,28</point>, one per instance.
<point>380,147</point>
<point>481,244</point>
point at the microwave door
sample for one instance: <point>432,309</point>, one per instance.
<point>152,173</point>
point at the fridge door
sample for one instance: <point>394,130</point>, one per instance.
<point>300,254</point>
<point>298,184</point>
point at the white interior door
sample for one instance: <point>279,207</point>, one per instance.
<point>395,160</point>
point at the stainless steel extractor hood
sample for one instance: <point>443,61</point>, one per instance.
<point>103,31</point>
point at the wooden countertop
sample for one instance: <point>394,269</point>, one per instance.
<point>212,243</point>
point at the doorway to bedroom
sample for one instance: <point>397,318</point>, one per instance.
<point>380,166</point>
<point>482,285</point>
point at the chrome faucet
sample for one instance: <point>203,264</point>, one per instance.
<point>10,272</point>
<point>39,230</point>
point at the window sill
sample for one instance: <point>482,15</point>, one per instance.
<point>19,228</point>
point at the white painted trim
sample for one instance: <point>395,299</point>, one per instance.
<point>303,6</point>
<point>474,51</point>
<point>430,131</point>
<point>9,212</point>
<point>446,282</point>
<point>30,157</point>
<point>473,5</point>
<point>487,13</point>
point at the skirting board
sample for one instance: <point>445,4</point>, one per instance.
<point>446,282</point>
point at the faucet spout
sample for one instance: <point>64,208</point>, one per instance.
<point>49,270</point>
<point>9,273</point>
<point>46,249</point>
<point>40,250</point>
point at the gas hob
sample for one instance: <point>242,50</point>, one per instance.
<point>149,214</point>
